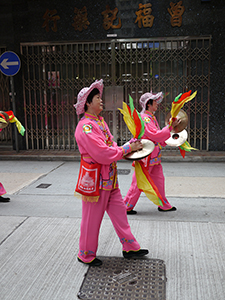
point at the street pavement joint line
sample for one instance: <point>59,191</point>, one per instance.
<point>40,177</point>
<point>57,167</point>
<point>44,175</point>
<point>14,230</point>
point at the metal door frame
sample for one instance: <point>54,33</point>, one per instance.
<point>172,65</point>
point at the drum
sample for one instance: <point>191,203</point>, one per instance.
<point>177,139</point>
<point>148,147</point>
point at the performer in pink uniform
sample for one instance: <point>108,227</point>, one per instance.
<point>3,192</point>
<point>7,117</point>
<point>149,103</point>
<point>99,154</point>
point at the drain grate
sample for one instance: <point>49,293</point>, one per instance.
<point>123,171</point>
<point>125,279</point>
<point>43,186</point>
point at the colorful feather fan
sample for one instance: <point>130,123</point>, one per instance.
<point>146,184</point>
<point>133,119</point>
<point>177,104</point>
<point>13,119</point>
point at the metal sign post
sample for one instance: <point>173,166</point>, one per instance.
<point>10,66</point>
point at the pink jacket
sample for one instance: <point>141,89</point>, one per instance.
<point>96,145</point>
<point>157,136</point>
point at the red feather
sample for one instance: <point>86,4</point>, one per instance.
<point>137,122</point>
<point>183,96</point>
<point>128,107</point>
<point>182,152</point>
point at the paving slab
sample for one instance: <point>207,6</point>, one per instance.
<point>15,175</point>
<point>9,225</point>
<point>39,258</point>
<point>188,209</point>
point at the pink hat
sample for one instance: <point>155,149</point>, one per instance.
<point>83,94</point>
<point>147,96</point>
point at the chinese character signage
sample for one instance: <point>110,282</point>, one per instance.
<point>80,19</point>
<point>144,17</point>
<point>50,17</point>
<point>109,17</point>
<point>176,11</point>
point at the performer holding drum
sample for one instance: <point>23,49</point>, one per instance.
<point>7,117</point>
<point>97,182</point>
<point>152,163</point>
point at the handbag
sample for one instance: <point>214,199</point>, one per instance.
<point>88,179</point>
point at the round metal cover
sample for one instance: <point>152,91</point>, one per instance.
<point>177,139</point>
<point>148,147</point>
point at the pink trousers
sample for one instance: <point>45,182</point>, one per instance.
<point>92,215</point>
<point>2,190</point>
<point>133,194</point>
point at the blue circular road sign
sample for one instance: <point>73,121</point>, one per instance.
<point>9,63</point>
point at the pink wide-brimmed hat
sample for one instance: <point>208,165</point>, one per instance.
<point>83,94</point>
<point>147,96</point>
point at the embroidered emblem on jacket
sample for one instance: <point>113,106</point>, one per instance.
<point>147,120</point>
<point>87,128</point>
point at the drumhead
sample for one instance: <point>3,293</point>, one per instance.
<point>148,147</point>
<point>177,139</point>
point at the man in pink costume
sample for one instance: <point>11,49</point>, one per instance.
<point>96,145</point>
<point>149,103</point>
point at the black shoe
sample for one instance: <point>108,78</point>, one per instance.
<point>94,263</point>
<point>171,209</point>
<point>2,199</point>
<point>131,212</point>
<point>135,254</point>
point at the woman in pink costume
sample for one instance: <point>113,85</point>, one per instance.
<point>97,148</point>
<point>149,103</point>
<point>3,192</point>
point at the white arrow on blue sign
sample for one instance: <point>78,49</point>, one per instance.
<point>9,63</point>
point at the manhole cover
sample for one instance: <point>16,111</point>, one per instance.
<point>123,171</point>
<point>124,279</point>
<point>43,186</point>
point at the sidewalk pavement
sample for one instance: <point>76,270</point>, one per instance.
<point>39,234</point>
<point>71,155</point>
